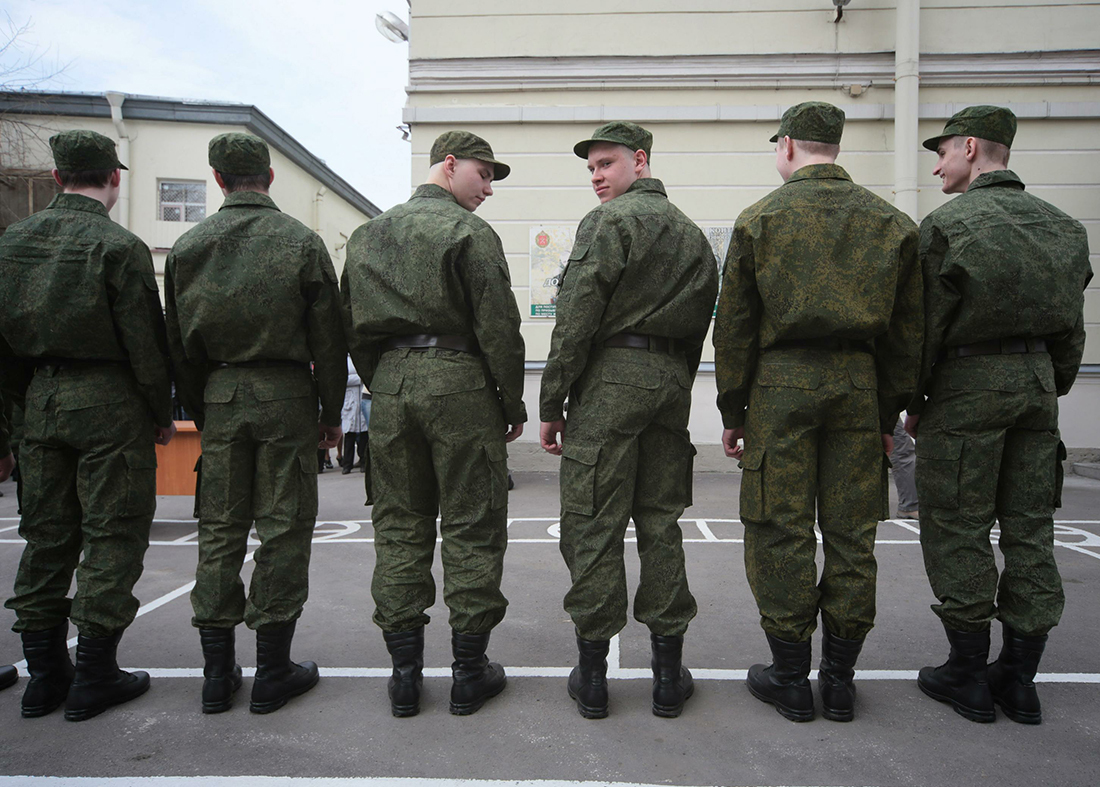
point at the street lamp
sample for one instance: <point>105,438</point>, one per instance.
<point>392,27</point>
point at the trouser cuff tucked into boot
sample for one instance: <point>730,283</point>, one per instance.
<point>221,673</point>
<point>475,678</point>
<point>785,684</point>
<point>672,682</point>
<point>407,652</point>
<point>588,680</point>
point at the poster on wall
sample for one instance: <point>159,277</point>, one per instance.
<point>550,248</point>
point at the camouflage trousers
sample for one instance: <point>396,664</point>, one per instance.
<point>627,454</point>
<point>437,448</point>
<point>988,452</point>
<point>812,444</point>
<point>89,484</point>
<point>259,466</point>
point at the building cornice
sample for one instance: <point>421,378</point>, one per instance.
<point>837,70</point>
<point>173,110</point>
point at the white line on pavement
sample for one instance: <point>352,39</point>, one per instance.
<point>290,781</point>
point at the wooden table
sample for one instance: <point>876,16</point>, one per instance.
<point>176,461</point>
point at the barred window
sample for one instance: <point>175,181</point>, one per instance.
<point>182,201</point>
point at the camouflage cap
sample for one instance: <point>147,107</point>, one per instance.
<point>618,132</point>
<point>812,121</point>
<point>996,124</point>
<point>236,153</point>
<point>463,144</point>
<point>80,150</point>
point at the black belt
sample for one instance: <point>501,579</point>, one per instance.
<point>75,363</point>
<point>823,343</point>
<point>426,341</point>
<point>641,341</point>
<point>260,363</point>
<point>1009,346</point>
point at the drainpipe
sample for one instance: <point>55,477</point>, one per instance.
<point>318,204</point>
<point>906,105</point>
<point>115,100</point>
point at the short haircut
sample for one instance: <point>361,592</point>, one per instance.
<point>994,151</point>
<point>813,148</point>
<point>84,178</point>
<point>246,182</point>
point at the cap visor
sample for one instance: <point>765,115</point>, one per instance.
<point>581,148</point>
<point>775,138</point>
<point>500,170</point>
<point>123,166</point>
<point>934,142</point>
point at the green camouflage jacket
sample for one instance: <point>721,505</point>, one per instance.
<point>1001,263</point>
<point>250,283</point>
<point>638,265</point>
<point>820,257</point>
<point>73,284</point>
<point>431,266</point>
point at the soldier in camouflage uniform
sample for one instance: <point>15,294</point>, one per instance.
<point>433,329</point>
<point>80,316</point>
<point>1004,274</point>
<point>633,311</point>
<point>817,349</point>
<point>252,298</point>
<point>8,674</point>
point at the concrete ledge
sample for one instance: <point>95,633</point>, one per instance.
<point>1087,469</point>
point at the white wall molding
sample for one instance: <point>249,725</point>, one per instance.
<point>1080,67</point>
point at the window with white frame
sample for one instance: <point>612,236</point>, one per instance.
<point>182,200</point>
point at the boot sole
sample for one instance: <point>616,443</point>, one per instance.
<point>466,708</point>
<point>979,716</point>
<point>274,705</point>
<point>9,682</point>
<point>1020,717</point>
<point>404,711</point>
<point>38,711</point>
<point>587,711</point>
<point>788,713</point>
<point>83,714</point>
<point>673,711</point>
<point>837,715</point>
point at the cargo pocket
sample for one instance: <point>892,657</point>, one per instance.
<point>1059,474</point>
<point>578,477</point>
<point>752,485</point>
<point>498,475</point>
<point>938,467</point>
<point>141,484</point>
<point>307,491</point>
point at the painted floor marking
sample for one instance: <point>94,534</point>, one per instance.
<point>291,781</point>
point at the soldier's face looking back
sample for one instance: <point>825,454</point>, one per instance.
<point>614,169</point>
<point>472,182</point>
<point>952,165</point>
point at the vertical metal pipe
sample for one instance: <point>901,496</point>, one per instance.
<point>115,100</point>
<point>906,105</point>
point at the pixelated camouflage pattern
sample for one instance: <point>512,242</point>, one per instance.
<point>812,121</point>
<point>73,284</point>
<point>627,454</point>
<point>236,153</point>
<point>463,144</point>
<point>997,124</point>
<point>89,470</point>
<point>998,263</point>
<point>820,257</point>
<point>5,423</point>
<point>618,132</point>
<point>259,465</point>
<point>251,283</point>
<point>431,266</point>
<point>437,447</point>
<point>813,451</point>
<point>79,150</point>
<point>638,265</point>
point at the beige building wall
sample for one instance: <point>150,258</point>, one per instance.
<point>710,78</point>
<point>170,151</point>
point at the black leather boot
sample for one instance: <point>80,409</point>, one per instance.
<point>407,651</point>
<point>961,680</point>
<point>476,679</point>
<point>1012,677</point>
<point>9,676</point>
<point>672,683</point>
<point>785,684</point>
<point>588,680</point>
<point>834,678</point>
<point>99,683</point>
<point>50,668</point>
<point>222,673</point>
<point>278,679</point>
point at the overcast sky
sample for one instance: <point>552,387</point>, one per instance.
<point>319,69</point>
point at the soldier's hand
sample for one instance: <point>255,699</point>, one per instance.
<point>329,436</point>
<point>513,433</point>
<point>7,464</point>
<point>162,435</point>
<point>911,422</point>
<point>888,443</point>
<point>729,442</point>
<point>549,432</point>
